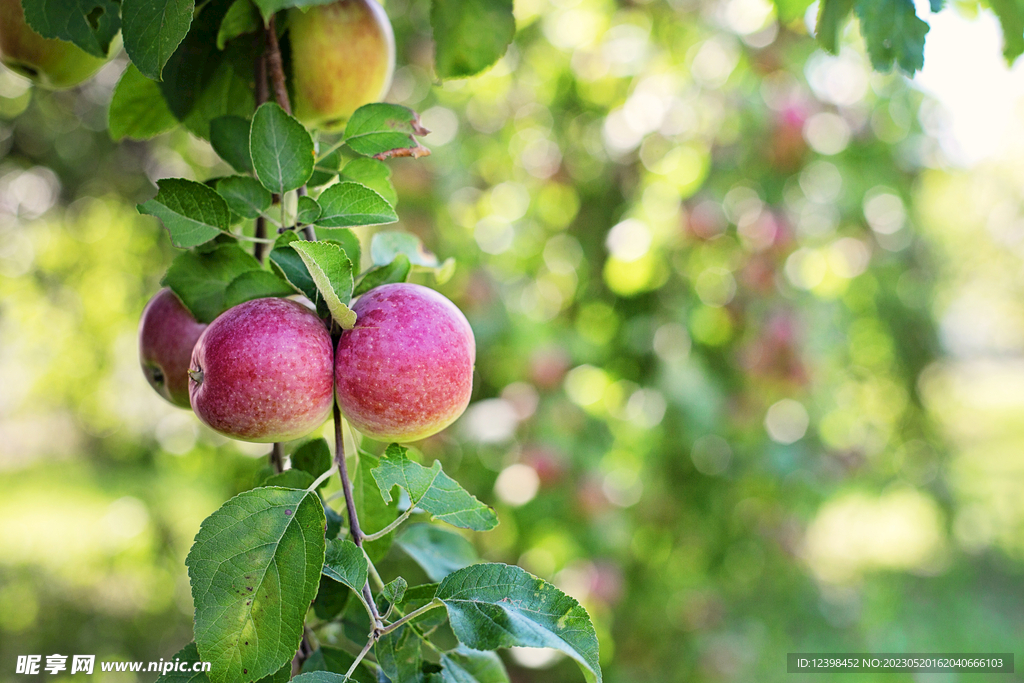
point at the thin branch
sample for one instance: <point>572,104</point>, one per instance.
<point>390,527</point>
<point>350,506</point>
<point>321,479</point>
<point>276,67</point>
<point>359,658</point>
<point>260,241</point>
<point>261,96</point>
<point>410,616</point>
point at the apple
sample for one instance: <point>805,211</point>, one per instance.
<point>263,371</point>
<point>343,56</point>
<point>167,335</point>
<point>405,371</point>
<point>51,63</point>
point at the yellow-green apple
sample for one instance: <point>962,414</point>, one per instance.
<point>405,371</point>
<point>343,56</point>
<point>263,371</point>
<point>51,63</point>
<point>167,335</point>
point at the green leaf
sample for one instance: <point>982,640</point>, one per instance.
<point>137,109</point>
<point>241,18</point>
<point>282,675</point>
<point>395,590</point>
<point>327,658</point>
<point>326,169</point>
<point>382,130</point>
<point>346,564</point>
<point>386,245</point>
<point>470,35</point>
<point>189,653</point>
<point>308,210</point>
<point>399,656</point>
<point>289,479</point>
<point>89,24</point>
<point>331,270</point>
<point>229,136</point>
<point>255,284</point>
<point>893,32</point>
<point>470,666</point>
<point>228,93</point>
<point>432,490</point>
<point>290,265</point>
<point>373,512</point>
<point>201,279</point>
<point>254,568</point>
<point>496,605</point>
<point>791,10</point>
<point>1011,18</point>
<point>832,15</point>
<point>152,31</point>
<point>200,82</point>
<point>348,241</point>
<point>396,271</point>
<point>320,677</point>
<point>373,174</point>
<point>438,551</point>
<point>334,521</point>
<point>314,457</point>
<point>269,7</point>
<point>244,195</point>
<point>347,204</point>
<point>281,149</point>
<point>331,599</point>
<point>191,212</point>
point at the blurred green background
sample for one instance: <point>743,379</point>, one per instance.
<point>750,373</point>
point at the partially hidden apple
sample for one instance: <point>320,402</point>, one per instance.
<point>167,335</point>
<point>343,56</point>
<point>263,371</point>
<point>49,62</point>
<point>405,371</point>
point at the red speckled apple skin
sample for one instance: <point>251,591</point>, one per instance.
<point>167,335</point>
<point>405,371</point>
<point>267,371</point>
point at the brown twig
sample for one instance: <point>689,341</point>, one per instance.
<point>262,93</point>
<point>276,67</point>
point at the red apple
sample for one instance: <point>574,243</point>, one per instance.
<point>263,371</point>
<point>167,334</point>
<point>405,371</point>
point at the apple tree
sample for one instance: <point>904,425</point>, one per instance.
<point>257,332</point>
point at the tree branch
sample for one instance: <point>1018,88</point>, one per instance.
<point>276,67</point>
<point>410,616</point>
<point>350,506</point>
<point>390,527</point>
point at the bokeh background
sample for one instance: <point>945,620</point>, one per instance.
<point>750,326</point>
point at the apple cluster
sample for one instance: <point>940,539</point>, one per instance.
<point>268,370</point>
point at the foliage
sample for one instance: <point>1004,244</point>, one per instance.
<point>655,257</point>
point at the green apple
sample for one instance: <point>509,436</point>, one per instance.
<point>343,56</point>
<point>51,63</point>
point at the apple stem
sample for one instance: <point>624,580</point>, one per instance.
<point>350,506</point>
<point>277,457</point>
